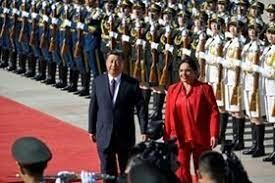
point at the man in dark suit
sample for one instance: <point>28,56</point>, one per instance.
<point>111,114</point>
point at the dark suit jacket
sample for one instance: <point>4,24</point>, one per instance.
<point>106,119</point>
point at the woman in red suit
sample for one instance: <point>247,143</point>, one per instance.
<point>192,116</point>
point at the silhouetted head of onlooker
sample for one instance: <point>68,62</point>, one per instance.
<point>212,168</point>
<point>153,161</point>
<point>32,156</point>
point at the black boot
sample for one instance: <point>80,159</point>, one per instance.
<point>157,107</point>
<point>73,79</point>
<point>223,126</point>
<point>22,64</point>
<point>85,80</point>
<point>5,59</point>
<point>271,156</point>
<point>13,59</point>
<point>252,149</point>
<point>41,70</point>
<point>51,74</point>
<point>146,95</point>
<point>239,144</point>
<point>31,67</point>
<point>63,70</point>
<point>260,150</point>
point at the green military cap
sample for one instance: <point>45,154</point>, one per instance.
<point>168,10</point>
<point>270,8</point>
<point>30,150</point>
<point>201,16</point>
<point>110,1</point>
<point>210,1</point>
<point>252,24</point>
<point>271,28</point>
<point>242,3</point>
<point>139,5</point>
<point>234,21</point>
<point>126,3</point>
<point>154,8</point>
<point>224,2</point>
<point>258,5</point>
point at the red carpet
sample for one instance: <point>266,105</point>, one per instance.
<point>71,146</point>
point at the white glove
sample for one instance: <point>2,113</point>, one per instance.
<point>64,176</point>
<point>87,177</point>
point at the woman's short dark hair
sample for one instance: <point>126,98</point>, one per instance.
<point>191,62</point>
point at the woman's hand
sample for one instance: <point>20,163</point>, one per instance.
<point>213,142</point>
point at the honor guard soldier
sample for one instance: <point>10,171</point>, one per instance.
<point>92,38</point>
<point>14,34</point>
<point>270,13</point>
<point>78,45</point>
<point>253,98</point>
<point>66,45</point>
<point>222,11</point>
<point>233,82</point>
<point>181,42</point>
<point>108,27</point>
<point>241,11</point>
<point>124,30</point>
<point>4,35</point>
<point>165,64</point>
<point>256,11</point>
<point>268,74</point>
<point>141,64</point>
<point>199,30</point>
<point>54,47</point>
<point>209,7</point>
<point>153,39</point>
<point>45,42</point>
<point>32,157</point>
<point>24,36</point>
<point>34,38</point>
<point>214,69</point>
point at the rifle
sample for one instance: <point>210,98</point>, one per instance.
<point>78,48</point>
<point>137,68</point>
<point>53,42</point>
<point>64,47</point>
<point>15,19</point>
<point>165,75</point>
<point>254,101</point>
<point>44,42</point>
<point>126,48</point>
<point>6,19</point>
<point>112,28</point>
<point>22,34</point>
<point>220,84</point>
<point>236,90</point>
<point>153,76</point>
<point>200,48</point>
<point>34,37</point>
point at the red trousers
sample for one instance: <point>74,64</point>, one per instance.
<point>184,155</point>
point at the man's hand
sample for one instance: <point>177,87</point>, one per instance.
<point>213,142</point>
<point>93,137</point>
<point>144,137</point>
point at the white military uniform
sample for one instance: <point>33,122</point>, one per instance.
<point>268,59</point>
<point>212,59</point>
<point>230,64</point>
<point>250,51</point>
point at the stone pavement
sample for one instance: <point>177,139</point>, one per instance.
<point>74,110</point>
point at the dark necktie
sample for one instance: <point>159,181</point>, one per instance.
<point>113,87</point>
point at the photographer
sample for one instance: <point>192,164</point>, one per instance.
<point>215,167</point>
<point>152,162</point>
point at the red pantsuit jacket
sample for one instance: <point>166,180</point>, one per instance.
<point>205,121</point>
